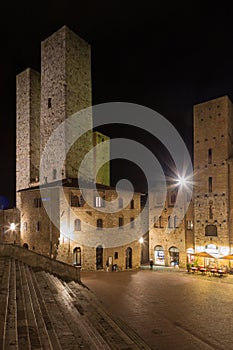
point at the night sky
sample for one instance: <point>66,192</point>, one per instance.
<point>166,55</point>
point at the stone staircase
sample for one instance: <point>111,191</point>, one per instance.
<point>40,311</point>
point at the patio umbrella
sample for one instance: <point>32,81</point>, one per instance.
<point>204,255</point>
<point>227,257</point>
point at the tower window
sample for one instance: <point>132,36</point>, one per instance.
<point>132,223</point>
<point>120,222</point>
<point>210,184</point>
<point>49,102</point>
<point>160,222</point>
<point>99,224</point>
<point>37,202</point>
<point>98,202</point>
<point>169,222</point>
<point>210,156</point>
<point>132,204</point>
<point>38,226</point>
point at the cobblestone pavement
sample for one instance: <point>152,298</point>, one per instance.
<point>169,309</point>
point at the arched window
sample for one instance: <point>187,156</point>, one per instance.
<point>77,256</point>
<point>99,224</point>
<point>77,225</point>
<point>120,222</point>
<point>211,230</point>
<point>74,201</point>
<point>132,204</point>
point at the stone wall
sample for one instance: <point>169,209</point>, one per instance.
<point>38,261</point>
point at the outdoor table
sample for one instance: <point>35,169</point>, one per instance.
<point>202,270</point>
<point>194,269</point>
<point>221,272</point>
<point>213,271</point>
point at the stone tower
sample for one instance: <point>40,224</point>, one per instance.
<point>27,129</point>
<point>65,90</point>
<point>213,139</point>
<point>46,100</point>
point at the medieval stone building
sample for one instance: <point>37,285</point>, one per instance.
<point>63,231</point>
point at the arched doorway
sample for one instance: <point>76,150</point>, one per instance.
<point>174,256</point>
<point>99,257</point>
<point>25,246</point>
<point>77,256</point>
<point>128,258</point>
<point>159,255</point>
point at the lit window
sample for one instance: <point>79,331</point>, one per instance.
<point>98,202</point>
<point>189,224</point>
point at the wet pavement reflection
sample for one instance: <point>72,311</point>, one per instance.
<point>169,309</point>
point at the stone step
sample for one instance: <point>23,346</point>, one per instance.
<point>58,318</point>
<point>42,330</point>
<point>47,319</point>
<point>22,324</point>
<point>11,335</point>
<point>31,319</point>
<point>4,297</point>
<point>78,323</point>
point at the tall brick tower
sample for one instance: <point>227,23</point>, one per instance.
<point>65,90</point>
<point>213,141</point>
<point>45,100</point>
